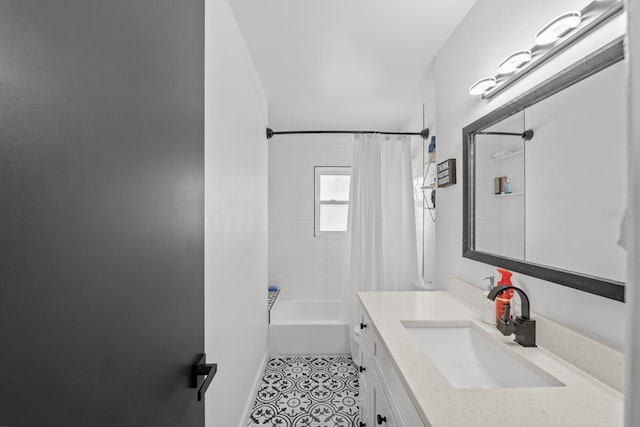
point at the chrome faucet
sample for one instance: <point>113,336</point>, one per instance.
<point>522,326</point>
<point>492,281</point>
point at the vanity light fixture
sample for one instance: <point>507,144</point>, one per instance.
<point>514,61</point>
<point>482,85</point>
<point>549,41</point>
<point>558,28</point>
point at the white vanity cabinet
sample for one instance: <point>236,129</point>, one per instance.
<point>383,398</point>
<point>403,385</point>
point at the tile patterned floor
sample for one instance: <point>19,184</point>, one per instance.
<point>308,391</point>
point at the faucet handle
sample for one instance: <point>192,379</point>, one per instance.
<point>491,280</point>
<point>506,312</point>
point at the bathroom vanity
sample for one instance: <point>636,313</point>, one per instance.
<point>427,359</point>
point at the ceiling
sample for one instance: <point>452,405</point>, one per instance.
<point>345,64</point>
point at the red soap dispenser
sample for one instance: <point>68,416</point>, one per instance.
<point>504,279</point>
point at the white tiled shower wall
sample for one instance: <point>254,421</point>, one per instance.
<point>304,267</point>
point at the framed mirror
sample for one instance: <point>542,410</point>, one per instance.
<point>544,179</point>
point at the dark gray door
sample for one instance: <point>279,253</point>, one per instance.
<point>101,211</point>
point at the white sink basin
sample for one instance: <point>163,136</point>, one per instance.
<point>470,358</point>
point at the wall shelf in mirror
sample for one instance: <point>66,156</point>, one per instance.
<point>519,193</point>
<point>506,155</point>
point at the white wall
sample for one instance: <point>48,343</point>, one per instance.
<point>235,218</point>
<point>489,32</point>
<point>633,355</point>
<point>302,265</point>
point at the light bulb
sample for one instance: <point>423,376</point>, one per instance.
<point>514,61</point>
<point>482,85</point>
<point>557,28</point>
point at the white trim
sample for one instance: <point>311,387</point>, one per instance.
<point>254,390</point>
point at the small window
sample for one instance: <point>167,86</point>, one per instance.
<point>331,200</point>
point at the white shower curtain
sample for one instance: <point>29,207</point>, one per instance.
<point>381,241</point>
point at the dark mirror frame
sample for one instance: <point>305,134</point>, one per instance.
<point>597,61</point>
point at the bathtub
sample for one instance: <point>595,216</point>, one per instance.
<point>308,327</point>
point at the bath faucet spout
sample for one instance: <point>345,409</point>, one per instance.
<point>522,326</point>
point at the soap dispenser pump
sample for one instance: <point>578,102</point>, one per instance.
<point>503,302</point>
<point>489,308</point>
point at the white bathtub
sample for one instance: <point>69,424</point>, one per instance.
<point>308,327</point>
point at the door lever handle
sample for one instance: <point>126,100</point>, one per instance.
<point>199,369</point>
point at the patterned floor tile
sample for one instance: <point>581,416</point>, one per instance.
<point>308,391</point>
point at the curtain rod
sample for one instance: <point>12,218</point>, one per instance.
<point>526,135</point>
<point>424,133</point>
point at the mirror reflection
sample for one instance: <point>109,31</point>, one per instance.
<point>500,189</point>
<point>557,200</point>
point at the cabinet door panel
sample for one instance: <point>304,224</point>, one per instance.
<point>382,412</point>
<point>366,392</point>
<point>367,334</point>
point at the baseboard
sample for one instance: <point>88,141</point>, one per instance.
<point>254,390</point>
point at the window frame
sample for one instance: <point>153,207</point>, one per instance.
<point>318,171</point>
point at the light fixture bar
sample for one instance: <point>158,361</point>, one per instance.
<point>587,29</point>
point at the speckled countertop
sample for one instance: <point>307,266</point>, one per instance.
<point>583,401</point>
